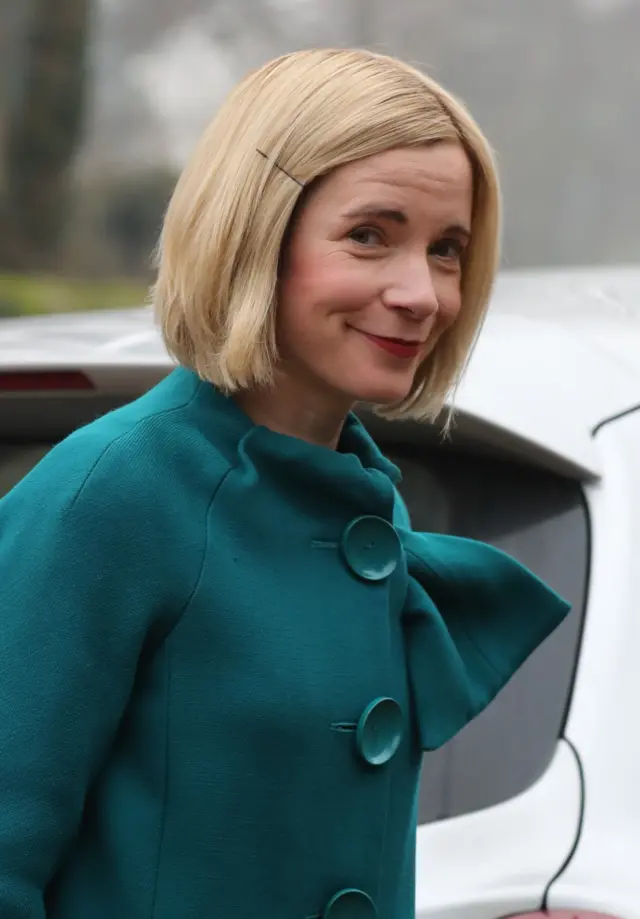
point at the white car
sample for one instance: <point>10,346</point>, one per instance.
<point>533,809</point>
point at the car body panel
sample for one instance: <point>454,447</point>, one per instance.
<point>603,719</point>
<point>497,861</point>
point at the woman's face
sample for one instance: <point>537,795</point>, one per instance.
<point>371,274</point>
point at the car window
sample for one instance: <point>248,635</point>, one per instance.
<point>540,519</point>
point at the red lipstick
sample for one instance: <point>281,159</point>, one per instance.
<point>399,347</point>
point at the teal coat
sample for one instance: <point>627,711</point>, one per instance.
<point>220,663</point>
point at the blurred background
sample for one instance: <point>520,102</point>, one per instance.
<point>102,100</point>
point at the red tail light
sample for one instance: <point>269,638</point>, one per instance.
<point>44,381</point>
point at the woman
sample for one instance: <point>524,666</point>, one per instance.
<point>220,659</point>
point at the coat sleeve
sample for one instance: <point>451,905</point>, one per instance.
<point>472,616</point>
<point>78,591</point>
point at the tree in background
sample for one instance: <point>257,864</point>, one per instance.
<point>132,216</point>
<point>42,133</point>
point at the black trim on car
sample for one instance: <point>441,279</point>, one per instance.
<point>601,424</point>
<point>544,906</point>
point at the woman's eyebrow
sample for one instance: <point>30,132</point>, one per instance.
<point>384,212</point>
<point>379,211</point>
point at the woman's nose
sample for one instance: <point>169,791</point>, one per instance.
<point>412,290</point>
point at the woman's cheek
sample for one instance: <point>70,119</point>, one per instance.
<point>449,310</point>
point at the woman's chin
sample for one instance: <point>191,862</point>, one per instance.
<point>381,393</point>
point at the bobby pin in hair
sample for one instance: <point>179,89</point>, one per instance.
<point>288,174</point>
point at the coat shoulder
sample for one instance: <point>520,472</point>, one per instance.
<point>144,451</point>
<point>116,494</point>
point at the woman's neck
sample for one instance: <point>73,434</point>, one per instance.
<point>296,411</point>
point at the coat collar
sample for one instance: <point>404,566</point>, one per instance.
<point>356,473</point>
<point>233,423</point>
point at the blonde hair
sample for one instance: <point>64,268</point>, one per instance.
<point>283,126</point>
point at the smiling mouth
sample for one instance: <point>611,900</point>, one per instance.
<point>400,347</point>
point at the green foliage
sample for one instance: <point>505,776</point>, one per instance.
<point>132,214</point>
<point>32,294</point>
<point>43,131</point>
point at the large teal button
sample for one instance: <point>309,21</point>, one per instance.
<point>350,904</point>
<point>379,731</point>
<point>371,548</point>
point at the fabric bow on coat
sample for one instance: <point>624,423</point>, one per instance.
<point>472,616</point>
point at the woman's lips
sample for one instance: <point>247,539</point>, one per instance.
<point>397,346</point>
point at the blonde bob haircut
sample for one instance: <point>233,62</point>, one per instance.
<point>283,127</point>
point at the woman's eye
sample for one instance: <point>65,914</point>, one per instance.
<point>366,236</point>
<point>450,249</point>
